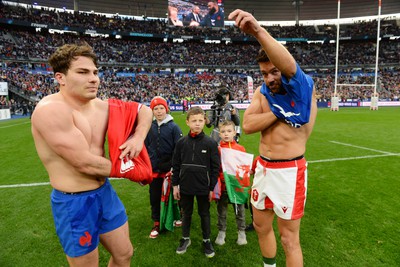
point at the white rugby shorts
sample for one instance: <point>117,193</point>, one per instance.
<point>281,186</point>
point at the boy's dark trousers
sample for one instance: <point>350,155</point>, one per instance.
<point>155,190</point>
<point>203,207</point>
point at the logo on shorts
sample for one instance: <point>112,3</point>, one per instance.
<point>284,209</point>
<point>254,194</point>
<point>126,165</point>
<point>85,240</point>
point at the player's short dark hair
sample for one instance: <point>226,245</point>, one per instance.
<point>262,56</point>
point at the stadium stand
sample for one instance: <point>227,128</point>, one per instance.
<point>150,62</point>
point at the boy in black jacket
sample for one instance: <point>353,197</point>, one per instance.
<point>195,172</point>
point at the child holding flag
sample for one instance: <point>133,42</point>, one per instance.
<point>195,168</point>
<point>227,134</point>
<point>160,143</point>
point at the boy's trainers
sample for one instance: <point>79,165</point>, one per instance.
<point>154,232</point>
<point>241,238</point>
<point>184,244</point>
<point>178,223</point>
<point>220,238</point>
<point>208,249</point>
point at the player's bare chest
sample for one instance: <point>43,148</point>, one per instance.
<point>92,125</point>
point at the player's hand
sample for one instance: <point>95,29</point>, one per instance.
<point>245,21</point>
<point>131,147</point>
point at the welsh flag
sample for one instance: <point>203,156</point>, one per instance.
<point>169,206</point>
<point>236,166</point>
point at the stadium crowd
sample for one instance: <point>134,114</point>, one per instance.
<point>159,26</point>
<point>23,45</point>
<point>139,69</point>
<point>143,85</point>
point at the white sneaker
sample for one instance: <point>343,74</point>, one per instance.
<point>241,238</point>
<point>220,238</point>
<point>178,223</point>
<point>154,232</point>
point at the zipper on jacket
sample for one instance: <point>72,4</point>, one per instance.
<point>196,165</point>
<point>158,141</point>
<point>194,146</point>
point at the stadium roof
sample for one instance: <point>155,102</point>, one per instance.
<point>263,10</point>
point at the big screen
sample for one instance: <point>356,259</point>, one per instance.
<point>199,13</point>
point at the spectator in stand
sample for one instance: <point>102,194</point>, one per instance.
<point>3,102</point>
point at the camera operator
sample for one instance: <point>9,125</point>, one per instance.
<point>221,111</point>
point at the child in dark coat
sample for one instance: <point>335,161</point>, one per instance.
<point>195,164</point>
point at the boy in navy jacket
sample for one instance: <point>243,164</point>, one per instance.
<point>160,143</point>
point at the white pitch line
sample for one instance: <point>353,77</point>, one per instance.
<point>311,161</point>
<point>38,184</point>
<point>361,147</point>
<point>353,158</point>
<point>8,126</point>
<point>23,185</point>
<point>387,154</point>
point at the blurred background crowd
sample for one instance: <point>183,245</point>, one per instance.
<point>139,68</point>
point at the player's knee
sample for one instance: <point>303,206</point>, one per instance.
<point>125,255</point>
<point>262,228</point>
<point>290,242</point>
<point>129,252</point>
